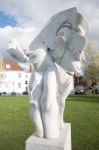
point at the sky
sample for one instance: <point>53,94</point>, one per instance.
<point>18,17</point>
<point>6,20</point>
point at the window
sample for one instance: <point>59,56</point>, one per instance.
<point>5,75</point>
<point>2,75</point>
<point>19,75</point>
<point>6,85</point>
<point>26,82</point>
<point>2,66</point>
<point>19,85</point>
<point>8,66</point>
<point>26,89</point>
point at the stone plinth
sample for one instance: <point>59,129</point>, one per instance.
<point>61,143</point>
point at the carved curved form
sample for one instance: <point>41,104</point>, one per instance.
<point>62,41</point>
<point>69,18</point>
<point>64,37</point>
<point>57,49</point>
<point>15,50</point>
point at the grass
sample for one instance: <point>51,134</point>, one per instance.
<point>81,111</point>
<point>15,125</point>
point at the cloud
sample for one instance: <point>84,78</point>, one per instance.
<point>37,13</point>
<point>24,36</point>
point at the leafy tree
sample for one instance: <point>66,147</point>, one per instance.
<point>92,70</point>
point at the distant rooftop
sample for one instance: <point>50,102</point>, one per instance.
<point>10,66</point>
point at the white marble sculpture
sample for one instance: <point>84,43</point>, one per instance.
<point>56,50</point>
<point>56,53</point>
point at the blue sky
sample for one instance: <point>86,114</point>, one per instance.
<point>6,20</point>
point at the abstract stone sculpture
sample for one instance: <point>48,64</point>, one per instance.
<point>56,53</point>
<point>56,50</point>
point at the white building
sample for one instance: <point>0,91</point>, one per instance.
<point>13,78</point>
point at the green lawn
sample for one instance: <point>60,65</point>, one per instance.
<point>81,111</point>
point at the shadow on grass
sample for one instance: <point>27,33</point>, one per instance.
<point>84,98</point>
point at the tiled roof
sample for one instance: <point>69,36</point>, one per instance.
<point>11,66</point>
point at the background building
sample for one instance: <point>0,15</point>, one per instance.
<point>13,78</point>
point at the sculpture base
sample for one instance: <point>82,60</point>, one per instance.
<point>61,143</point>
